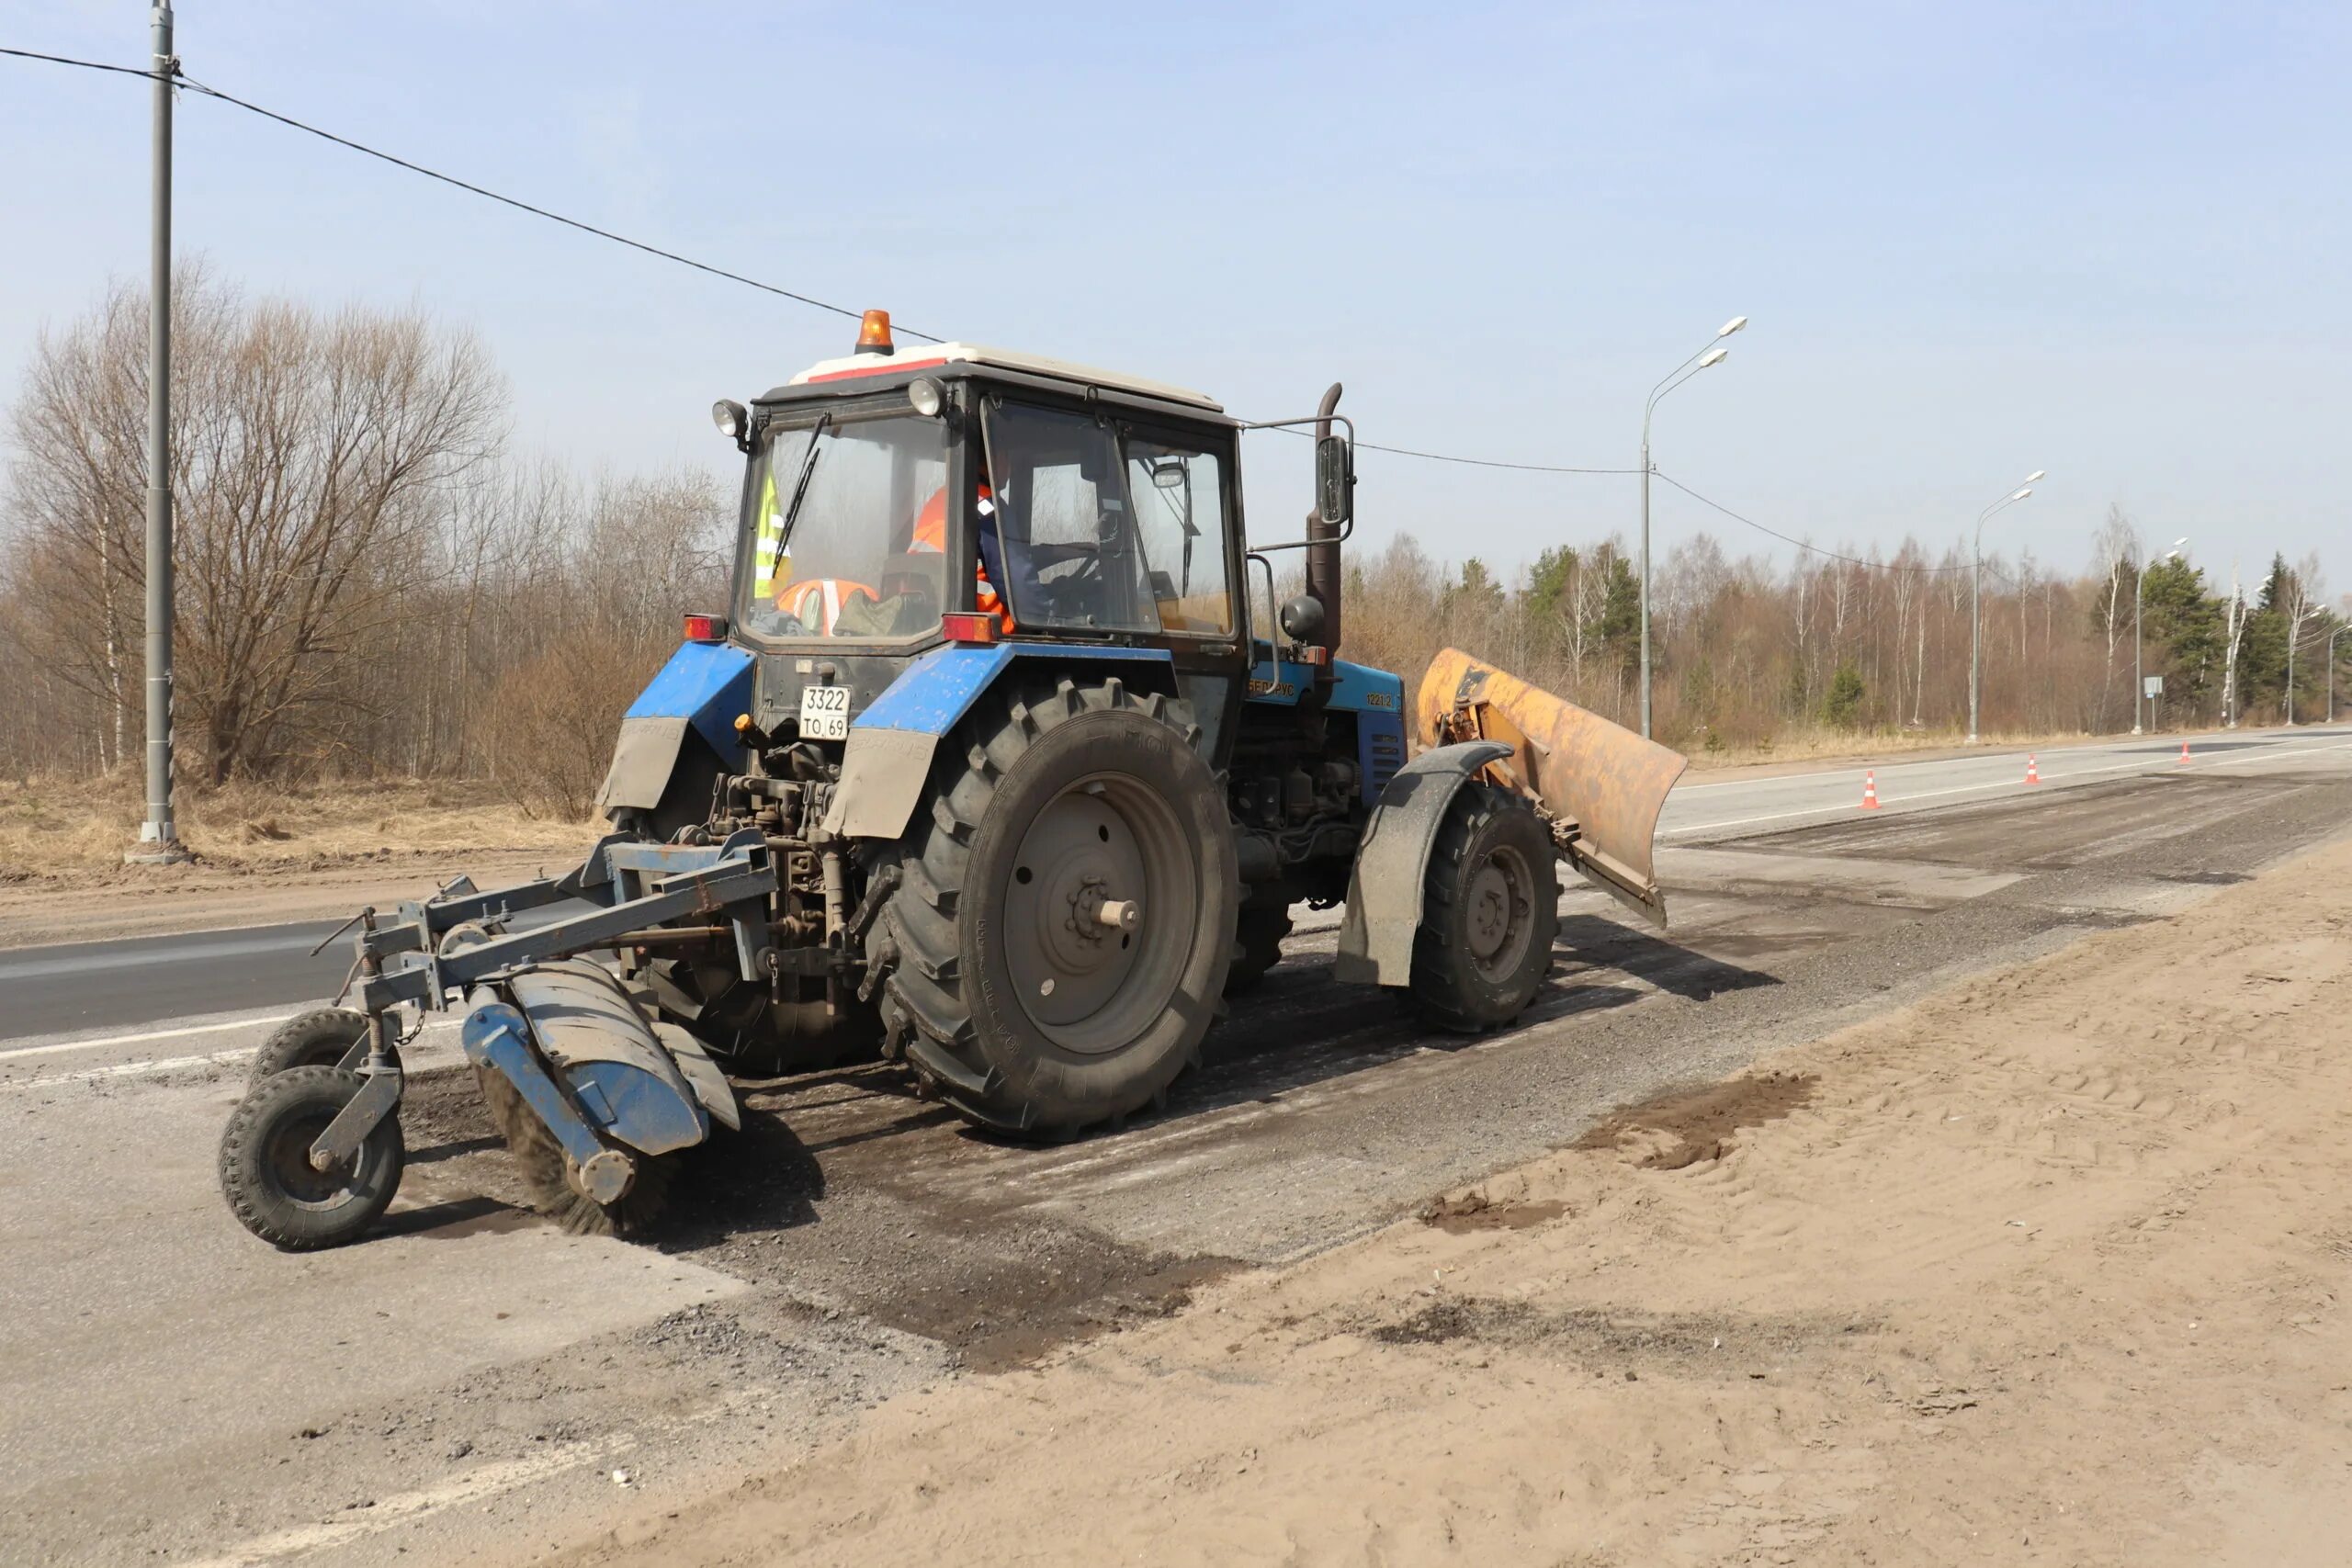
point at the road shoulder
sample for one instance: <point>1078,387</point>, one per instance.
<point>2046,1267</point>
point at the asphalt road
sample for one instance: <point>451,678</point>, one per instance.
<point>468,1382</point>
<point>208,976</point>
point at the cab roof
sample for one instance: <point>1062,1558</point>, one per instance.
<point>934,356</point>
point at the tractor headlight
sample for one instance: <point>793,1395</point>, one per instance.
<point>924,394</point>
<point>734,421</point>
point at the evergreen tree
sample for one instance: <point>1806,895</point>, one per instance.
<point>1843,706</point>
<point>2184,628</point>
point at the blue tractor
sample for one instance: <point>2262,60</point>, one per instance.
<point>993,769</point>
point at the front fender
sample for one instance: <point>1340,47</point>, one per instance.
<point>701,690</point>
<point>1385,888</point>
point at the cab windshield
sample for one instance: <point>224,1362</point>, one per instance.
<point>848,528</point>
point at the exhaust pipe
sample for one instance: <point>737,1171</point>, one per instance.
<point>1323,573</point>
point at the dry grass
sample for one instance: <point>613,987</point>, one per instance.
<point>51,825</point>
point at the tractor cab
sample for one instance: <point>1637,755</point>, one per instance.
<point>901,502</point>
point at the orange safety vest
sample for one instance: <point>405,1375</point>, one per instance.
<point>818,601</point>
<point>931,538</point>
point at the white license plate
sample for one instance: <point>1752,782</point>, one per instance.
<point>824,713</point>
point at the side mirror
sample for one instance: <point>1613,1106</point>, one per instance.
<point>1335,479</point>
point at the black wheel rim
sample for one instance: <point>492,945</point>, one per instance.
<point>285,1160</point>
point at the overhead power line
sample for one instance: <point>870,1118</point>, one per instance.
<point>415,168</point>
<point>85,64</point>
<point>193,85</point>
<point>1790,539</point>
<point>190,83</point>
<point>1488,462</point>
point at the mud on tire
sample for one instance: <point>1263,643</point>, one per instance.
<point>264,1163</point>
<point>1049,802</point>
<point>1490,912</point>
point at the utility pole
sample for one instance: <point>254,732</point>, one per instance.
<point>1976,597</point>
<point>2331,636</point>
<point>1645,576</point>
<point>2138,599</point>
<point>1707,358</point>
<point>158,842</point>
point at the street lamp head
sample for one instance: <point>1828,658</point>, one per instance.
<point>1731,326</point>
<point>2036,476</point>
<point>1714,357</point>
<point>2021,494</point>
<point>2177,543</point>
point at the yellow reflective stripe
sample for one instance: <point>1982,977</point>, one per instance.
<point>764,544</point>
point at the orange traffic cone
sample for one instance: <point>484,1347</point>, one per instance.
<point>2183,754</point>
<point>2032,773</point>
<point>1870,789</point>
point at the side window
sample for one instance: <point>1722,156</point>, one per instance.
<point>1060,543</point>
<point>1180,519</point>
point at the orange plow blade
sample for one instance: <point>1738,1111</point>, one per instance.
<point>1600,785</point>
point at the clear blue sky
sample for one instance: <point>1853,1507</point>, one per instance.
<point>2110,240</point>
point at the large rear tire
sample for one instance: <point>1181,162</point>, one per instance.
<point>1490,912</point>
<point>1016,991</point>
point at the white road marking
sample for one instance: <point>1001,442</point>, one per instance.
<point>2297,752</point>
<point>475,1486</point>
<point>124,1069</point>
<point>478,1485</point>
<point>2260,737</point>
<point>109,1039</point>
<point>2269,753</point>
<point>166,1065</point>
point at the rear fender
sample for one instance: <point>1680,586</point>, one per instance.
<point>1385,888</point>
<point>892,743</point>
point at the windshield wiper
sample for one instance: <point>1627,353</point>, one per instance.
<point>800,485</point>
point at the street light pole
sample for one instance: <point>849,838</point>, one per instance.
<point>2139,680</point>
<point>158,843</point>
<point>1707,357</point>
<point>2331,636</point>
<point>1977,594</point>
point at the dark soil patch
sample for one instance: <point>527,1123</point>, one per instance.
<point>1473,1211</point>
<point>1703,1121</point>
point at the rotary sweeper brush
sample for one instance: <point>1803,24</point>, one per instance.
<point>994,771</point>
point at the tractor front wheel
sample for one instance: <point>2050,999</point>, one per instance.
<point>1490,911</point>
<point>1065,914</point>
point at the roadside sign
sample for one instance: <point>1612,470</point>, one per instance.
<point>2153,686</point>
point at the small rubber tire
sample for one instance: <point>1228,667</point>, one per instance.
<point>1257,943</point>
<point>320,1037</point>
<point>1490,912</point>
<point>264,1163</point>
